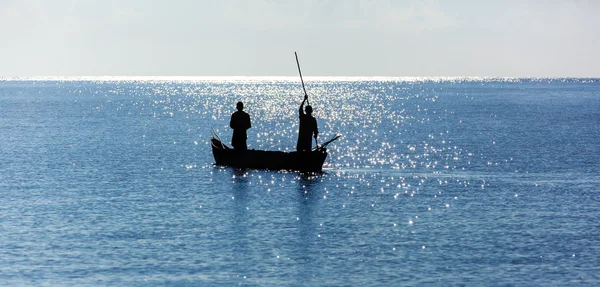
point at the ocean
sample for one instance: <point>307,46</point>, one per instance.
<point>434,181</point>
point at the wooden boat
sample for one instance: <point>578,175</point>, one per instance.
<point>274,160</point>
<point>262,159</point>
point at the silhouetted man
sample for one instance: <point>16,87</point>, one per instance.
<point>308,127</point>
<point>240,122</point>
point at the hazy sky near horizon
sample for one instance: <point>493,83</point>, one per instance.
<point>553,38</point>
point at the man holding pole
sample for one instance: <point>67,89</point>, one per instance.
<point>308,123</point>
<point>308,127</point>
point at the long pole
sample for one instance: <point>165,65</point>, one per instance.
<point>300,72</point>
<point>304,88</point>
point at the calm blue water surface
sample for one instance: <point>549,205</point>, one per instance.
<point>434,182</point>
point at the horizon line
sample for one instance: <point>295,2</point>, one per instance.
<point>280,78</point>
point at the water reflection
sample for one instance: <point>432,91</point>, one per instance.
<point>240,223</point>
<point>308,207</point>
<point>308,183</point>
<point>240,178</point>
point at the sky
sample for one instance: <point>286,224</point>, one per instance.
<point>395,38</point>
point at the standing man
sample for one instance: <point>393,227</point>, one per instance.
<point>308,127</point>
<point>240,122</point>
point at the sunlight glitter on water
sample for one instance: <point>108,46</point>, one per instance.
<point>338,108</point>
<point>428,173</point>
<point>384,126</point>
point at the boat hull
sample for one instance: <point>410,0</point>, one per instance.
<point>275,160</point>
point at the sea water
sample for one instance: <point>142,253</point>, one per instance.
<point>434,181</point>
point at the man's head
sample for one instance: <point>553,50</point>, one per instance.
<point>308,110</point>
<point>240,106</point>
